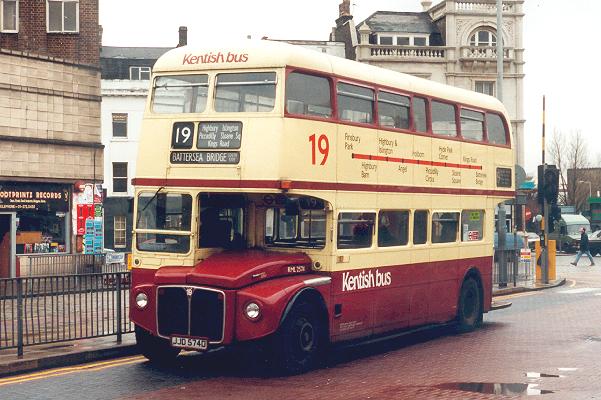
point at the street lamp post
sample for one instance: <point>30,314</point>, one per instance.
<point>590,190</point>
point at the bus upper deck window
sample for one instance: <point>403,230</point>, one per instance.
<point>176,94</point>
<point>443,119</point>
<point>495,129</point>
<point>420,115</point>
<point>308,95</point>
<point>472,125</point>
<point>355,103</point>
<point>245,92</point>
<point>393,110</point>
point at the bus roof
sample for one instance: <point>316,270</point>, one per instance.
<point>255,54</point>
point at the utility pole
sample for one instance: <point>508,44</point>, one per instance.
<point>500,50</point>
<point>544,247</point>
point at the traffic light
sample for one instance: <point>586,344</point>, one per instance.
<point>551,184</point>
<point>548,184</point>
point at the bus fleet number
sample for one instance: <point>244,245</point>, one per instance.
<point>321,144</point>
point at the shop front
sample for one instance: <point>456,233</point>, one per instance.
<point>34,218</point>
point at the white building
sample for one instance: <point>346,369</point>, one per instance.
<point>124,86</point>
<point>452,42</point>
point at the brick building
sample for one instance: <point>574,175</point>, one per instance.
<point>49,122</point>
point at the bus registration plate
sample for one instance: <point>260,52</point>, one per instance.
<point>189,343</point>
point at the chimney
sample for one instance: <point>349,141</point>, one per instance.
<point>183,36</point>
<point>426,4</point>
<point>344,13</point>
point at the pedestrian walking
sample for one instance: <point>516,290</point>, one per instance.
<point>583,248</point>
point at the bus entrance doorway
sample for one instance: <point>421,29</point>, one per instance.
<point>7,246</point>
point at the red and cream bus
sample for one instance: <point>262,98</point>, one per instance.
<point>290,197</point>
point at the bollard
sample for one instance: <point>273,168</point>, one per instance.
<point>118,279</point>
<point>19,318</point>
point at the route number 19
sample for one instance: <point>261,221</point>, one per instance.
<point>321,144</point>
<point>182,135</point>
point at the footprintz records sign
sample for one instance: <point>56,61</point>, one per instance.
<point>33,197</point>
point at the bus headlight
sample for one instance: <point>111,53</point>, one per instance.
<point>141,300</point>
<point>252,311</point>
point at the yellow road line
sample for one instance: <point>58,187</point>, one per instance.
<point>69,370</point>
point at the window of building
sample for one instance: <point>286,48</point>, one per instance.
<point>9,10</point>
<point>472,225</point>
<point>443,119</point>
<point>120,177</point>
<point>393,228</point>
<point>355,103</point>
<point>119,125</point>
<point>245,92</point>
<point>420,226</point>
<point>386,40</point>
<point>180,94</point>
<point>139,73</point>
<point>419,114</point>
<point>483,38</point>
<point>119,231</point>
<point>355,230</point>
<point>393,110</point>
<point>420,41</point>
<point>402,41</point>
<point>308,95</point>
<point>486,87</point>
<point>495,129</point>
<point>62,15</point>
<point>472,124</point>
<point>445,227</point>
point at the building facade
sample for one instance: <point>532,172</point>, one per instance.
<point>125,84</point>
<point>452,42</point>
<point>49,123</point>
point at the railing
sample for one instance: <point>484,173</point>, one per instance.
<point>509,270</point>
<point>488,53</point>
<point>49,309</point>
<point>484,6</point>
<point>422,52</point>
<point>66,264</point>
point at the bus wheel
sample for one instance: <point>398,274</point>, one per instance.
<point>156,349</point>
<point>469,315</point>
<point>300,339</point>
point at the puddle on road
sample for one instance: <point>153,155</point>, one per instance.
<point>528,389</point>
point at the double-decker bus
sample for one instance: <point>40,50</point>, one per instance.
<point>297,199</point>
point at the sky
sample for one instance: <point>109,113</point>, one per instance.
<point>560,52</point>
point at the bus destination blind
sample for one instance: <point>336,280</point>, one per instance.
<point>205,157</point>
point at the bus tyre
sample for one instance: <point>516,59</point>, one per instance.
<point>156,349</point>
<point>299,340</point>
<point>469,315</point>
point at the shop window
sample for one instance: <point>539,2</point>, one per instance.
<point>139,73</point>
<point>119,125</point>
<point>444,227</point>
<point>355,103</point>
<point>472,225</point>
<point>9,9</point>
<point>355,230</point>
<point>119,231</point>
<point>62,16</point>
<point>393,228</point>
<point>120,177</point>
<point>308,95</point>
<point>420,226</point>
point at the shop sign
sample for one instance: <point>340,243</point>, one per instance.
<point>34,197</point>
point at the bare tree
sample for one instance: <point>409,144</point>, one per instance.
<point>571,156</point>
